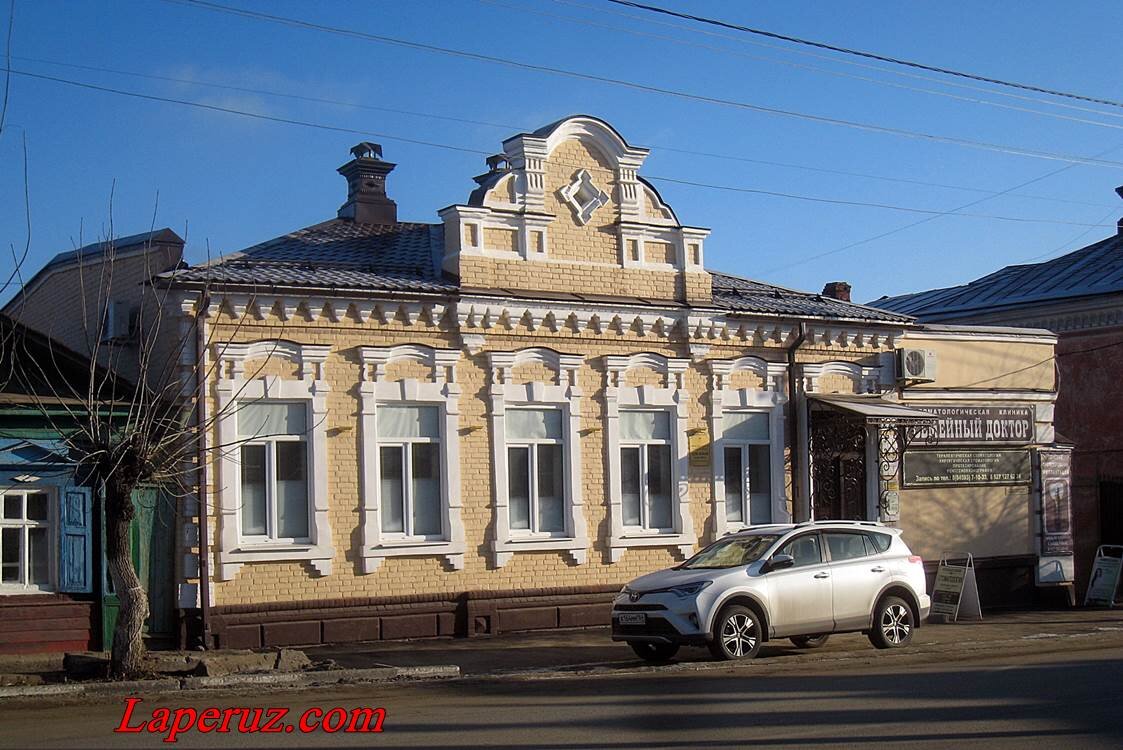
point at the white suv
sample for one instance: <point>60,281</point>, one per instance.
<point>801,582</point>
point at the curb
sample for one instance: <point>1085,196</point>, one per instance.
<point>267,679</point>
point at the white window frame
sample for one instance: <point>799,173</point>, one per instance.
<point>674,398</point>
<point>441,390</point>
<point>269,442</point>
<point>563,394</point>
<point>405,447</point>
<point>530,445</point>
<point>770,400</point>
<point>233,387</point>
<point>641,445</point>
<point>51,525</point>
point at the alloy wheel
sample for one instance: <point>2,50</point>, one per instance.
<point>738,635</point>
<point>896,623</point>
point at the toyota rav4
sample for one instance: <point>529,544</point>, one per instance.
<point>802,582</point>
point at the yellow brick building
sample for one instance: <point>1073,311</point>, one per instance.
<point>492,422</point>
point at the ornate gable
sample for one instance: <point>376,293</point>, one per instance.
<point>564,210</point>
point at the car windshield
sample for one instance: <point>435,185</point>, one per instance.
<point>731,552</point>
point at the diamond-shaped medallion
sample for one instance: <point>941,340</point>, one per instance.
<point>583,196</point>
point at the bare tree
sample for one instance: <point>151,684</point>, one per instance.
<point>137,417</point>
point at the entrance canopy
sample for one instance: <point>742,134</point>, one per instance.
<point>875,410</point>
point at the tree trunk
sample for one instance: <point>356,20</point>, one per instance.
<point>127,658</point>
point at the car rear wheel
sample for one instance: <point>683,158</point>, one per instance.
<point>654,651</point>
<point>892,623</point>
<point>737,633</point>
<point>810,641</point>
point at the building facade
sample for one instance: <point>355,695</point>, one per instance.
<point>492,422</point>
<point>1079,296</point>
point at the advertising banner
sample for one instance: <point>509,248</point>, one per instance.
<point>965,468</point>
<point>1056,502</point>
<point>982,425</point>
<point>1104,583</point>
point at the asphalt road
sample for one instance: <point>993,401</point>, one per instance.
<point>1063,693</point>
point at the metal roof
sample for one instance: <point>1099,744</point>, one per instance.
<point>406,257</point>
<point>1093,270</point>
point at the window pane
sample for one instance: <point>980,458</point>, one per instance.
<point>534,424</point>
<point>551,489</point>
<point>629,485</point>
<point>760,484</point>
<point>659,486</point>
<point>390,469</point>
<point>13,506</point>
<point>39,556</point>
<point>9,555</point>
<point>37,508</point>
<point>742,425</point>
<point>253,490</point>
<point>292,489</point>
<point>845,546</point>
<point>804,549</point>
<point>734,485</point>
<point>427,489</point>
<point>408,421</point>
<point>262,418</point>
<point>645,425</point>
<point>882,541</point>
<point>518,487</point>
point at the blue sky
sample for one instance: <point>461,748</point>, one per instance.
<point>229,182</point>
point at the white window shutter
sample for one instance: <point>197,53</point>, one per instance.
<point>74,541</point>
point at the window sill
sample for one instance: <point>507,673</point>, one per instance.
<point>575,547</point>
<point>453,552</point>
<point>319,556</point>
<point>20,590</point>
<point>631,539</point>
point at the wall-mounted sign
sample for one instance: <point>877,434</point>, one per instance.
<point>1056,502</point>
<point>699,444</point>
<point>982,425</point>
<point>965,468</point>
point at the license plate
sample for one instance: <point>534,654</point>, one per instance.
<point>632,618</point>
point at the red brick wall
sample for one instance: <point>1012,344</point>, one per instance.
<point>1090,413</point>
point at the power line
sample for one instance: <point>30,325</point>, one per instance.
<point>822,119</point>
<point>863,204</point>
<point>867,55</point>
<point>243,113</point>
<point>514,128</point>
<point>787,49</point>
<point>435,144</point>
<point>814,68</point>
<point>7,65</point>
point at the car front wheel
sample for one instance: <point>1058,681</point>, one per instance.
<point>737,634</point>
<point>654,651</point>
<point>892,623</point>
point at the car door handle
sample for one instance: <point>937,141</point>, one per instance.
<point>878,569</point>
<point>822,575</point>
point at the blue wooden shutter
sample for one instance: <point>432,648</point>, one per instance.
<point>74,541</point>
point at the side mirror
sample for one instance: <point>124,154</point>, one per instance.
<point>779,562</point>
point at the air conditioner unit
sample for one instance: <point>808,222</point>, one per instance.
<point>120,322</point>
<point>916,365</point>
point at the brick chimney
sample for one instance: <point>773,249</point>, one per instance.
<point>839,290</point>
<point>367,202</point>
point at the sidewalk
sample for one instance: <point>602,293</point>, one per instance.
<point>593,649</point>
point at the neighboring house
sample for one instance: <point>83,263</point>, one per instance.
<point>54,588</point>
<point>1079,296</point>
<point>102,287</point>
<point>492,422</point>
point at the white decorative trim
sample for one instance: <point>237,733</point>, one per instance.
<point>594,197</point>
<point>771,399</point>
<point>233,387</point>
<point>565,393</point>
<point>442,390</point>
<point>673,397</point>
<point>473,343</point>
<point>865,379</point>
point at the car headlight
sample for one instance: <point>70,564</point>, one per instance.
<point>688,589</point>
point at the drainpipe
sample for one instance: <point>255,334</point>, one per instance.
<point>798,489</point>
<point>201,415</point>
